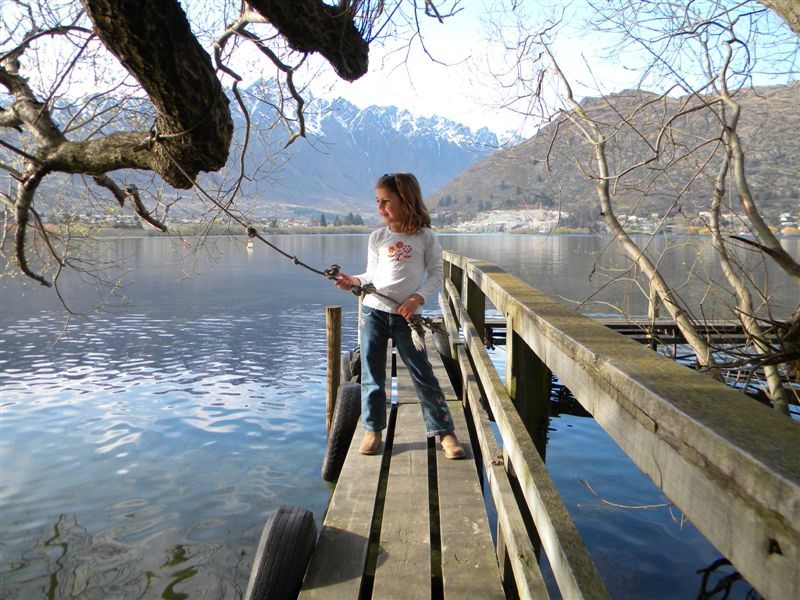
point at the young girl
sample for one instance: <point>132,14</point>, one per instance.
<point>405,264</point>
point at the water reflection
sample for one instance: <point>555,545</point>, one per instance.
<point>592,273</point>
<point>142,450</point>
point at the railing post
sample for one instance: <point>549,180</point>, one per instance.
<point>456,275</point>
<point>528,384</point>
<point>475,301</point>
<point>333,338</point>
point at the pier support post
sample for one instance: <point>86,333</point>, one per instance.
<point>333,338</point>
<point>528,384</point>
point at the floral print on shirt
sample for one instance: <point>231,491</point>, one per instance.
<point>400,251</point>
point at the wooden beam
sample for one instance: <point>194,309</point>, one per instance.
<point>450,325</point>
<point>404,558</point>
<point>333,339</point>
<point>475,303</point>
<point>528,384</point>
<point>469,565</point>
<point>575,573</point>
<point>514,543</point>
<point>340,555</point>
<point>337,566</point>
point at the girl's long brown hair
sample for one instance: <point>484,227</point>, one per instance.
<point>405,185</point>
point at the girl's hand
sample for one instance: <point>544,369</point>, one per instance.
<point>408,308</point>
<point>346,282</point>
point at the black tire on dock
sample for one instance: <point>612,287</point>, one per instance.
<point>442,343</point>
<point>343,425</point>
<point>355,364</point>
<point>283,554</point>
<point>344,371</point>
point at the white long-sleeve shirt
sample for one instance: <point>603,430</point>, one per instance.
<point>402,264</point>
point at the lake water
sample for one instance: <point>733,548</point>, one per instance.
<point>143,447</point>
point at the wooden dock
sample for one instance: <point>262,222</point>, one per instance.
<point>411,524</point>
<point>407,522</point>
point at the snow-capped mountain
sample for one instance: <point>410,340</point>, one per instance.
<point>347,149</point>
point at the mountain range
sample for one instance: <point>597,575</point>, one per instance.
<point>465,172</point>
<point>332,170</point>
<point>346,149</point>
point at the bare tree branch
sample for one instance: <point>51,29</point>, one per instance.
<point>591,133</point>
<point>25,194</point>
<point>313,26</point>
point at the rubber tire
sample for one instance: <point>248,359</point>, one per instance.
<point>355,364</point>
<point>343,426</point>
<point>283,554</point>
<point>442,343</point>
<point>345,373</point>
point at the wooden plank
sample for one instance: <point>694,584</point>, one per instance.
<point>337,564</point>
<point>339,558</point>
<point>520,551</point>
<point>528,384</point>
<point>575,573</point>
<point>403,570</point>
<point>730,464</point>
<point>469,565</point>
<point>475,302</point>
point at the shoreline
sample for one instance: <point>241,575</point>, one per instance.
<point>188,231</point>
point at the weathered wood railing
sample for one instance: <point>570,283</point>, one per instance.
<point>730,464</point>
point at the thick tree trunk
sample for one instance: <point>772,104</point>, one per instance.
<point>789,11</point>
<point>153,40</point>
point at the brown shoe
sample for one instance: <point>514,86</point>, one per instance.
<point>451,446</point>
<point>371,444</point>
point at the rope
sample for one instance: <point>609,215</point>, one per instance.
<point>417,323</point>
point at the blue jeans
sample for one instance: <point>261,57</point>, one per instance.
<point>377,327</point>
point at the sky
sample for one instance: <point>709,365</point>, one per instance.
<point>455,81</point>
<point>451,87</point>
<point>459,85</point>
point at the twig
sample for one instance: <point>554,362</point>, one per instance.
<point>627,506</point>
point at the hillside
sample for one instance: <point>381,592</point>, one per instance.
<point>541,173</point>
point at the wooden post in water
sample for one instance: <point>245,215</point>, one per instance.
<point>528,384</point>
<point>333,337</point>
